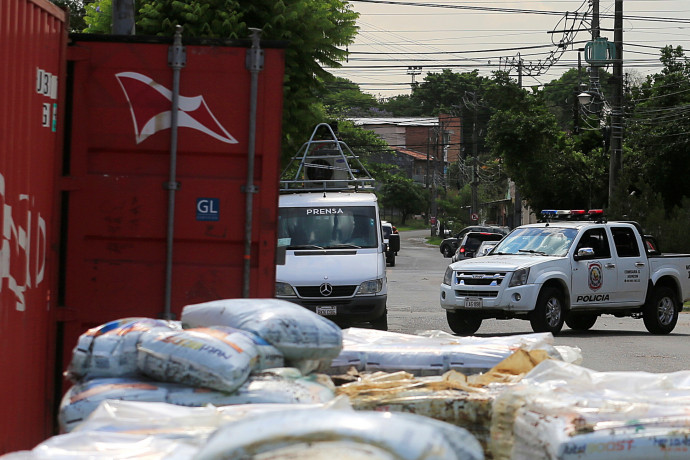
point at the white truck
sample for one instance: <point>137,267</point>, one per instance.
<point>330,229</point>
<point>568,271</point>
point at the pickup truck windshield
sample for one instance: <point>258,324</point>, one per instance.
<point>547,241</point>
<point>338,227</point>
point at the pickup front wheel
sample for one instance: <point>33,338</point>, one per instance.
<point>462,322</point>
<point>660,314</point>
<point>549,313</point>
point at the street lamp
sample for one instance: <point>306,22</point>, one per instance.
<point>584,98</point>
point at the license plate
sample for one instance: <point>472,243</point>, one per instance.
<point>473,302</point>
<point>326,311</point>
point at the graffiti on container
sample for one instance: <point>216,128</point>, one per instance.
<point>149,105</point>
<point>22,247</point>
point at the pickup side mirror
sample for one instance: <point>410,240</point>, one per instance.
<point>584,253</point>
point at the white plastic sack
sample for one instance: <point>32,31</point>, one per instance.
<point>308,341</point>
<point>563,411</point>
<point>402,436</point>
<point>216,358</point>
<point>275,386</point>
<point>95,445</point>
<point>435,352</point>
<point>83,398</point>
<point>196,423</point>
<point>281,386</point>
<point>110,350</point>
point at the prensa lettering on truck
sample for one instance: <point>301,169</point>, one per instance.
<point>569,269</point>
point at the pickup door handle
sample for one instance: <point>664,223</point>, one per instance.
<point>610,265</point>
<point>639,264</point>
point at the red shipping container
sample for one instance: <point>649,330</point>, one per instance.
<point>32,48</point>
<point>117,166</point>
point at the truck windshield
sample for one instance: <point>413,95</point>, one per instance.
<point>547,241</point>
<point>328,227</point>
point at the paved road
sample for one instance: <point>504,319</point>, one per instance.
<point>621,344</point>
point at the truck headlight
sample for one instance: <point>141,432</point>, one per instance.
<point>371,286</point>
<point>284,290</point>
<point>448,276</point>
<point>519,277</point>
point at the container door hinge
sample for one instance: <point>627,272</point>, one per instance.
<point>177,53</point>
<point>255,55</point>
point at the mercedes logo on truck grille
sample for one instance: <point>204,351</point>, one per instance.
<point>326,289</point>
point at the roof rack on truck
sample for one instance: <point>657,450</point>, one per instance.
<point>324,165</point>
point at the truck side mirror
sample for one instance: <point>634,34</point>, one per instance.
<point>394,242</point>
<point>584,253</point>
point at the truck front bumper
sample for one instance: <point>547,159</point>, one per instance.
<point>518,298</point>
<point>349,310</point>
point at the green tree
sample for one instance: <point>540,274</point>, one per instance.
<point>405,195</point>
<point>549,171</point>
<point>317,33</point>
<point>76,13</point>
<point>343,98</point>
<point>658,132</point>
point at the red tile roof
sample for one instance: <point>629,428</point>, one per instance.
<point>414,154</point>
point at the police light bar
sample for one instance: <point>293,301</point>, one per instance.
<point>571,213</point>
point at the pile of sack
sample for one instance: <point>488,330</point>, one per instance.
<point>234,351</point>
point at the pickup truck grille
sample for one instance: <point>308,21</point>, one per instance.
<point>464,293</point>
<point>314,291</point>
<point>479,278</point>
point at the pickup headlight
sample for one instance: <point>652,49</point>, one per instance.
<point>448,276</point>
<point>519,277</point>
<point>284,290</point>
<point>371,286</point>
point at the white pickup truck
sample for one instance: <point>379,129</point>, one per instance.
<point>568,271</point>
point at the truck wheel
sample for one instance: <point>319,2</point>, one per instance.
<point>548,314</point>
<point>581,321</point>
<point>381,323</point>
<point>447,251</point>
<point>660,314</point>
<point>463,323</point>
<point>392,260</point>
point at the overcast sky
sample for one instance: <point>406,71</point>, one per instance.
<point>396,37</point>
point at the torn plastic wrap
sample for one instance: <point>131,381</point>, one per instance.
<point>110,350</point>
<point>464,401</point>
<point>308,341</point>
<point>436,352</point>
<point>284,385</point>
<point>151,430</point>
<point>563,411</point>
<point>300,433</point>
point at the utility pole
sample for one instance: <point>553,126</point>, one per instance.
<point>616,159</point>
<point>122,21</point>
<point>594,84</point>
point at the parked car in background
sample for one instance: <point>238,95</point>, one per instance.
<point>449,246</point>
<point>391,238</point>
<point>485,248</point>
<point>470,243</point>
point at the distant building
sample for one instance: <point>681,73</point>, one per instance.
<point>418,142</point>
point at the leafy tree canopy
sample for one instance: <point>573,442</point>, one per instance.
<point>659,131</point>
